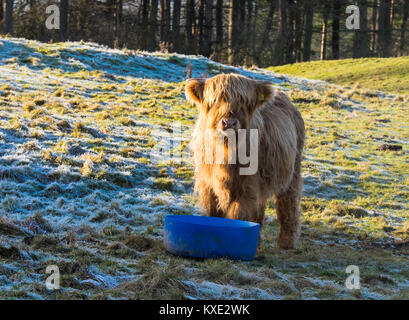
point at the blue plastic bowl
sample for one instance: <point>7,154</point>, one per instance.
<point>211,237</point>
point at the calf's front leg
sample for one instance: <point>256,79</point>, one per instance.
<point>244,209</point>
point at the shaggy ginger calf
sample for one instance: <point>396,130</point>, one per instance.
<point>233,102</point>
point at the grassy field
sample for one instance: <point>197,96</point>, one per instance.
<point>385,74</point>
<point>78,188</point>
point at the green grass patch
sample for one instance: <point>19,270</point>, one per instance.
<point>385,74</point>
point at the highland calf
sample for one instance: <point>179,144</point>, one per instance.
<point>230,102</point>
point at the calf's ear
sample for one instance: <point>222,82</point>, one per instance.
<point>264,91</point>
<point>194,90</point>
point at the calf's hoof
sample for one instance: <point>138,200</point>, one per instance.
<point>286,241</point>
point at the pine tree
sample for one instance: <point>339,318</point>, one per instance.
<point>336,15</point>
<point>309,16</point>
<point>405,16</point>
<point>219,28</point>
<point>64,20</point>
<point>324,31</point>
<point>145,24</point>
<point>264,43</point>
<point>117,23</point>
<point>233,31</point>
<point>176,24</point>
<point>8,16</point>
<point>190,26</point>
<point>361,36</point>
<point>281,43</point>
<point>153,23</point>
<point>207,31</point>
<point>384,28</point>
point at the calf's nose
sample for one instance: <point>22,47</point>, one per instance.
<point>229,123</point>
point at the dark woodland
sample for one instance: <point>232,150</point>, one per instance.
<point>239,32</point>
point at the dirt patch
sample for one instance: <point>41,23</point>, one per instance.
<point>389,147</point>
<point>9,229</point>
<point>9,252</point>
<point>139,242</point>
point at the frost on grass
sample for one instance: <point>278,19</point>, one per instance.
<point>79,187</point>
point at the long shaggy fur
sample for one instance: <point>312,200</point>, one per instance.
<point>223,191</point>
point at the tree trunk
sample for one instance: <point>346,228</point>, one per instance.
<point>290,56</point>
<point>324,31</point>
<point>269,22</point>
<point>145,13</point>
<point>281,43</point>
<point>167,19</point>
<point>249,15</point>
<point>207,36</point>
<point>309,15</point>
<point>200,25</point>
<point>374,26</point>
<point>336,14</point>
<point>392,11</point>
<point>8,17</point>
<point>145,23</point>
<point>164,20</point>
<point>233,30</point>
<point>153,18</point>
<point>254,33</point>
<point>298,29</point>
<point>248,25</point>
<point>1,16</point>
<point>190,25</point>
<point>381,27</point>
<point>162,8</point>
<point>405,17</point>
<point>219,27</point>
<point>176,24</point>
<point>361,40</point>
<point>31,26</point>
<point>64,20</point>
<point>241,35</point>
<point>117,23</point>
<point>388,27</point>
<point>266,33</point>
<point>385,30</point>
<point>284,30</point>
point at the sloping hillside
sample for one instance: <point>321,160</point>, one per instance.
<point>386,74</point>
<point>79,187</point>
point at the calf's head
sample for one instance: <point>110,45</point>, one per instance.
<point>228,101</point>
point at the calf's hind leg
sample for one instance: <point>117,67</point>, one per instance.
<point>288,212</point>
